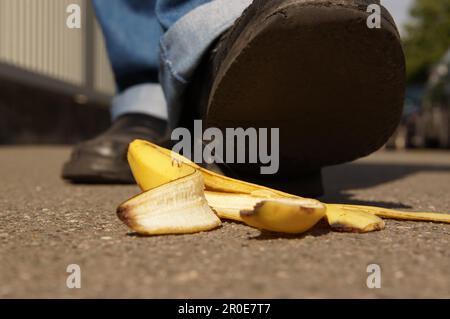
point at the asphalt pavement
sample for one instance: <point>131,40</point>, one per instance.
<point>47,224</point>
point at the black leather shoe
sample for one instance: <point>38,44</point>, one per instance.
<point>104,158</point>
<point>315,70</point>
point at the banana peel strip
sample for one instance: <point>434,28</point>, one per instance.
<point>394,214</point>
<point>181,197</point>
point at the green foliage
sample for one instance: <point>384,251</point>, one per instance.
<point>427,37</point>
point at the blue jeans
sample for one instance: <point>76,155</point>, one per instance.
<point>159,41</point>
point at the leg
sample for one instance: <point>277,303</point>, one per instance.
<point>132,33</point>
<point>191,26</point>
<point>132,30</point>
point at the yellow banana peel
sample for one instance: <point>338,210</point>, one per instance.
<point>181,197</point>
<point>356,221</point>
<point>177,207</point>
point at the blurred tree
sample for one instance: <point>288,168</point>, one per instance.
<point>427,37</point>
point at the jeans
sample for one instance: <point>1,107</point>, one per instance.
<point>159,41</point>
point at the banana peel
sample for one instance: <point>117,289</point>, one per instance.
<point>157,211</point>
<point>181,197</point>
<point>291,216</point>
<point>352,220</point>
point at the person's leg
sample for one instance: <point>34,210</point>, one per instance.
<point>132,33</point>
<point>169,12</point>
<point>132,30</point>
<point>191,27</point>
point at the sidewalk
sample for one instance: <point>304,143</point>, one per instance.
<point>47,224</point>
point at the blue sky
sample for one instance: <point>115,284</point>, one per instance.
<point>399,9</point>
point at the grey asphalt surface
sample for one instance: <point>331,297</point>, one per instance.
<point>47,224</point>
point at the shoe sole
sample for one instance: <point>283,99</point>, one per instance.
<point>313,69</point>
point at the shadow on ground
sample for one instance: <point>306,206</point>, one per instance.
<point>322,228</point>
<point>340,180</point>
